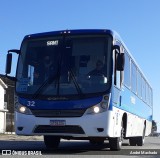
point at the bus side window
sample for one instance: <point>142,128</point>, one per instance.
<point>143,89</point>
<point>139,84</point>
<point>133,77</point>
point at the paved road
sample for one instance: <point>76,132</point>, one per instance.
<point>19,145</point>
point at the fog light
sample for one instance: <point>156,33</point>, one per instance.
<point>96,109</point>
<point>20,128</point>
<point>100,129</point>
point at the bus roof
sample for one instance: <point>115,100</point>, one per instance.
<point>80,31</point>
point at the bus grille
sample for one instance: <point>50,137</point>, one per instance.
<point>59,129</point>
<point>58,113</point>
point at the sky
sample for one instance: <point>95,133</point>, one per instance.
<point>137,22</point>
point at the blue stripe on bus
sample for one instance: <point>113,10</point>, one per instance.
<point>72,104</point>
<point>145,114</point>
<point>139,108</point>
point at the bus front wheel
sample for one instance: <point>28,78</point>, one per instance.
<point>116,143</point>
<point>98,141</point>
<point>51,142</point>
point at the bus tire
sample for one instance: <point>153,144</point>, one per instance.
<point>97,141</point>
<point>51,142</point>
<point>116,143</point>
<point>133,141</point>
<point>140,140</point>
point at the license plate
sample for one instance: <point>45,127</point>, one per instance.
<point>57,122</point>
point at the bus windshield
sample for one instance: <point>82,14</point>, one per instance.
<point>74,65</point>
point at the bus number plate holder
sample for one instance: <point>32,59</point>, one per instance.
<point>57,122</point>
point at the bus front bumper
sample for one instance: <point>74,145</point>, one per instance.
<point>88,125</point>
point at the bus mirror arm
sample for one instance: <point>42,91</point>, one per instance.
<point>116,47</point>
<point>11,78</point>
<point>14,51</point>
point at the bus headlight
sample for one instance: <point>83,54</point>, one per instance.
<point>22,109</point>
<point>99,108</point>
<point>96,109</point>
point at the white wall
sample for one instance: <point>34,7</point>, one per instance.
<point>1,97</point>
<point>2,110</point>
<point>2,122</point>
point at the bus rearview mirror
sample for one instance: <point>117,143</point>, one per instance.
<point>8,63</point>
<point>120,61</point>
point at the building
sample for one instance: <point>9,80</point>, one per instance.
<point>9,100</point>
<point>3,106</point>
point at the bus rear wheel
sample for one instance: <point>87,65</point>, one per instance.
<point>133,141</point>
<point>140,140</point>
<point>136,141</point>
<point>51,142</point>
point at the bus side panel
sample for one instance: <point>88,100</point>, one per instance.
<point>139,114</point>
<point>133,104</point>
<point>135,124</point>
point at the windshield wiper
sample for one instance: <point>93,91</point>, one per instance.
<point>50,80</point>
<point>75,82</point>
<point>44,85</point>
<point>56,78</point>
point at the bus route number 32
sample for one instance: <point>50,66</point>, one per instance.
<point>30,103</point>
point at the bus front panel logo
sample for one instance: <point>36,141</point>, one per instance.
<point>52,43</point>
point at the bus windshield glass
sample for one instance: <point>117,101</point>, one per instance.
<point>73,65</point>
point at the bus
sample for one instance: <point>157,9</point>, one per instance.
<point>83,85</point>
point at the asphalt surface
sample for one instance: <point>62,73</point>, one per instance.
<point>28,145</point>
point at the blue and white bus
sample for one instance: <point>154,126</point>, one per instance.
<point>80,84</point>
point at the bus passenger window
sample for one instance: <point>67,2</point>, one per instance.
<point>139,84</point>
<point>134,78</point>
<point>143,90</point>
